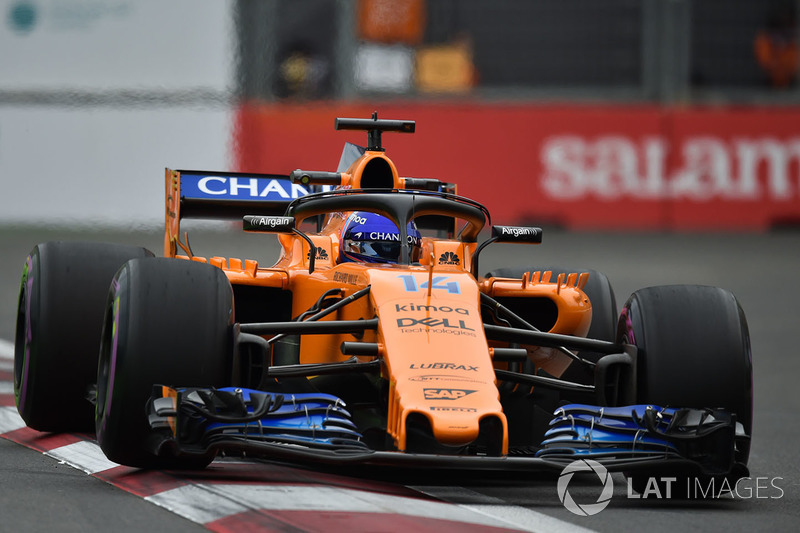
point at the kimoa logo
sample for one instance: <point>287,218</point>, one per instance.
<point>449,258</point>
<point>440,309</point>
<point>446,394</point>
<point>586,509</point>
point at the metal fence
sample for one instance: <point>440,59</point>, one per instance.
<point>663,51</point>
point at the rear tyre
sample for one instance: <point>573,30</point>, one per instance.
<point>693,351</point>
<point>59,320</point>
<point>168,321</point>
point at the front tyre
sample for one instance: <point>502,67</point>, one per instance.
<point>693,351</point>
<point>168,321</point>
<point>59,320</point>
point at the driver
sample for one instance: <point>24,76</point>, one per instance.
<point>372,238</point>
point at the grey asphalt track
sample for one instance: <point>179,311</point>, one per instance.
<point>762,270</point>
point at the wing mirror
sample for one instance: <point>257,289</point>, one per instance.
<point>272,224</point>
<point>268,224</point>
<point>519,234</point>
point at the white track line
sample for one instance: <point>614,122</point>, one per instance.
<point>83,455</point>
<point>518,517</point>
<point>10,420</point>
<point>6,350</point>
<point>204,503</point>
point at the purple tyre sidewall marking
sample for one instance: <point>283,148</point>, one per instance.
<point>26,362</point>
<point>114,347</point>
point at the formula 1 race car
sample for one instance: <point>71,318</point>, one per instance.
<point>374,339</point>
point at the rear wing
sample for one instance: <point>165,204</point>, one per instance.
<point>225,196</point>
<point>232,195</point>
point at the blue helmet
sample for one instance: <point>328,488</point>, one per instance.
<point>372,238</point>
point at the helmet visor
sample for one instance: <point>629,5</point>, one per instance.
<point>379,251</point>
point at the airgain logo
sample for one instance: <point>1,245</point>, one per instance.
<point>449,258</point>
<point>589,466</point>
<point>322,254</point>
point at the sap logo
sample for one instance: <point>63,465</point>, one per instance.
<point>430,322</point>
<point>436,283</point>
<point>249,187</point>
<point>442,366</point>
<point>446,394</point>
<point>322,254</point>
<point>428,308</point>
<point>449,258</point>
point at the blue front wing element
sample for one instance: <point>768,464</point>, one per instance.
<point>205,417</point>
<point>703,436</point>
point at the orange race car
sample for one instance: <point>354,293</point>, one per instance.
<point>374,339</point>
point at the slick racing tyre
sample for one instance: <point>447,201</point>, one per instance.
<point>168,322</point>
<point>693,351</point>
<point>59,320</point>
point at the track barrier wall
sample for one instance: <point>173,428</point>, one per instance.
<point>636,167</point>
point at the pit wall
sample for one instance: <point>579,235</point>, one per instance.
<point>637,167</point>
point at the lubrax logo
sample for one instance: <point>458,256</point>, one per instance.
<point>446,394</point>
<point>430,322</point>
<point>441,309</point>
<point>442,366</point>
<point>449,258</point>
<point>322,254</point>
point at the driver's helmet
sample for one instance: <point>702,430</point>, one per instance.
<point>372,238</point>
